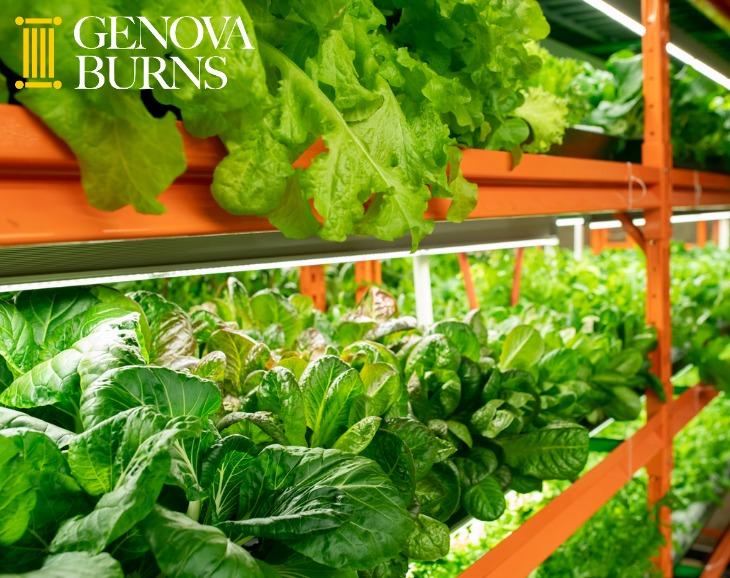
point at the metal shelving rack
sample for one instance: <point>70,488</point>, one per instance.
<point>49,232</point>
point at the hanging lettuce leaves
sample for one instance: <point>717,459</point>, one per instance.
<point>391,88</point>
<point>547,117</point>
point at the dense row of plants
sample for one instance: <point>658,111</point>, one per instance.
<point>621,538</point>
<point>557,286</point>
<point>391,87</point>
<point>613,100</point>
<point>270,440</point>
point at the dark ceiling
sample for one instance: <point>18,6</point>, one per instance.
<point>583,27</point>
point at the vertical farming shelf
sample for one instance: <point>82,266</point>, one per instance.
<point>44,209</point>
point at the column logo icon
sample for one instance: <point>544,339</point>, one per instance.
<point>38,52</point>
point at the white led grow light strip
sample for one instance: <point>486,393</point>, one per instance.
<point>674,50</point>
<point>123,278</point>
<point>614,14</point>
<point>570,222</point>
<point>640,222</point>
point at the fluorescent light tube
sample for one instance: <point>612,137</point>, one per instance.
<point>698,65</point>
<point>124,278</point>
<point>693,218</point>
<point>618,16</point>
<point>547,242</point>
<point>570,222</point>
<point>699,217</point>
<point>640,222</point>
<point>674,50</point>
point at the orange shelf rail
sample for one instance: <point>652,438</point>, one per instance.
<point>699,189</point>
<point>531,544</point>
<point>719,559</point>
<point>44,202</point>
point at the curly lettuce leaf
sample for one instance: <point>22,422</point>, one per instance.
<point>547,116</point>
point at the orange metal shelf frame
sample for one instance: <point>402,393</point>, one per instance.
<point>719,559</point>
<point>695,189</point>
<point>527,547</point>
<point>43,200</point>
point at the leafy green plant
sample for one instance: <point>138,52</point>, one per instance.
<point>115,455</point>
<point>613,100</point>
<point>279,439</point>
<point>621,538</point>
<point>390,87</point>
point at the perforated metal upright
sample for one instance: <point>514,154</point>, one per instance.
<point>657,153</point>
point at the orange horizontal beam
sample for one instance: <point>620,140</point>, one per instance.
<point>700,189</point>
<point>531,544</point>
<point>719,559</point>
<point>711,533</point>
<point>28,148</point>
<point>685,180</point>
<point>43,200</point>
<point>689,200</point>
<point>689,403</point>
<point>503,200</point>
<point>493,167</point>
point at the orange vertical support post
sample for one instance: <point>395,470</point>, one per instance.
<point>471,294</point>
<point>657,152</point>
<point>367,273</point>
<point>701,233</point>
<point>517,276</point>
<point>599,240</point>
<point>312,284</point>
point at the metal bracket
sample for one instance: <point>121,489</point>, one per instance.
<point>632,230</point>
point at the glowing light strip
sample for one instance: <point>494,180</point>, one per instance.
<point>698,217</point>
<point>614,224</point>
<point>57,284</point>
<point>570,222</point>
<point>614,14</point>
<point>674,50</point>
<point>698,65</point>
<point>695,218</point>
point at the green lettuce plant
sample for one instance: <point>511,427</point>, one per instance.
<point>392,88</point>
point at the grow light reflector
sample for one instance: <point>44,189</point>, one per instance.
<point>275,264</point>
<point>673,50</point>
